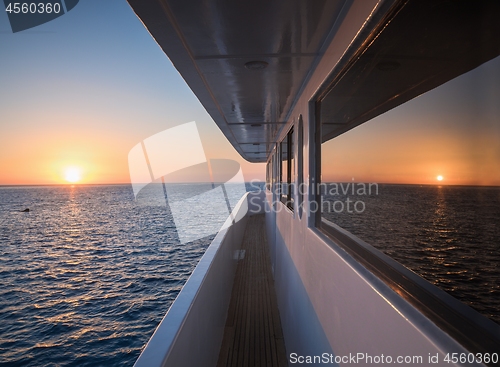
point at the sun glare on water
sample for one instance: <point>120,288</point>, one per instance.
<point>73,174</point>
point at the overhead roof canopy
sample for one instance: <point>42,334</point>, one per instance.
<point>420,45</point>
<point>247,61</point>
<point>212,42</point>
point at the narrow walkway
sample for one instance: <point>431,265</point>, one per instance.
<point>253,335</point>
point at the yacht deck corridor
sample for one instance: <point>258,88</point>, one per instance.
<point>253,334</point>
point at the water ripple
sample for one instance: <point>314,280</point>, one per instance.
<point>86,274</point>
<point>448,235</point>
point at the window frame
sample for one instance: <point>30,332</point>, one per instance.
<point>463,324</point>
<point>285,192</point>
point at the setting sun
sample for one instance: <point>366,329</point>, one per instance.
<point>73,174</point>
<point>439,178</point>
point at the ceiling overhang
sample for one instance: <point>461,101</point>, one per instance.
<point>418,45</point>
<point>215,44</point>
<point>248,62</point>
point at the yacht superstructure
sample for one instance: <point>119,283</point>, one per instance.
<point>279,78</point>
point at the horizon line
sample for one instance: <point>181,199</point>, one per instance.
<point>259,181</point>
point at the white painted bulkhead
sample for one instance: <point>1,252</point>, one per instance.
<point>329,303</point>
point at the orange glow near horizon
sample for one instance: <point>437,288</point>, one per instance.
<point>45,157</point>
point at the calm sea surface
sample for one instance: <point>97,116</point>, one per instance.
<point>87,274</point>
<point>449,235</point>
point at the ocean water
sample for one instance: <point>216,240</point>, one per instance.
<point>449,235</point>
<point>86,275</point>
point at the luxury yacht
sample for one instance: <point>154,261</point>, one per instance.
<point>282,285</point>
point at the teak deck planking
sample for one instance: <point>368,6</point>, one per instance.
<point>253,336</point>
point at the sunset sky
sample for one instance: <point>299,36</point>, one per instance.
<point>77,93</point>
<point>82,90</point>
